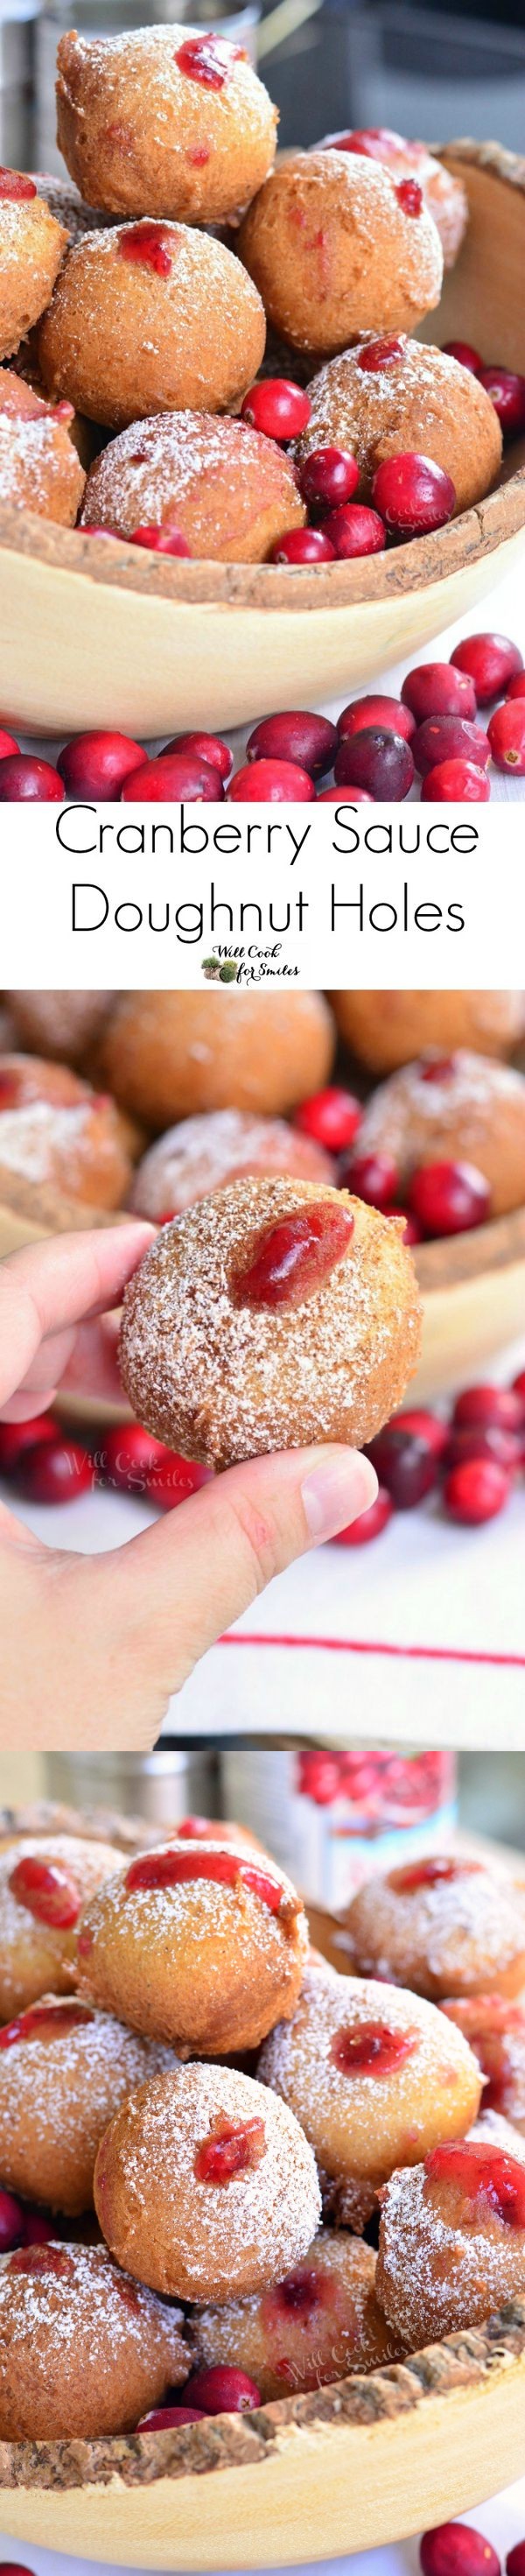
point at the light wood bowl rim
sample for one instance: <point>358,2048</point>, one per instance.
<point>273,588</point>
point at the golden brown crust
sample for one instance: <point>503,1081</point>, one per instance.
<point>230,491</point>
<point>333,253</point>
<point>205,1966</point>
<point>167,1054</point>
<point>60,1134</point>
<point>470,1110</point>
<point>388,1029</point>
<point>122,341</point>
<point>322,2321</point>
<point>83,2351</point>
<point>32,246</point>
<point>420,400</point>
<point>189,2234</point>
<point>141,138</point>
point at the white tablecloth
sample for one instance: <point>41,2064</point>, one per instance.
<point>502,2522</point>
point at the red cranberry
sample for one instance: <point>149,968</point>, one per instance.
<point>375,710</point>
<point>38,2230</point>
<point>331,1116</point>
<point>204,746</point>
<point>279,408</point>
<point>406,1463</point>
<point>499,1405</point>
<point>334,796</point>
<point>54,1471</point>
<point>232,2147</point>
<point>355,530</point>
<point>372,1177</point>
<point>134,1463</point>
<point>15,184</point>
<point>507,737</point>
<point>320,1777</point>
<point>370,2048</point>
<point>176,778</point>
<point>7,745</point>
<point>369,1524</point>
<point>47,1891</point>
<point>96,764</point>
<point>426,1873</point>
<point>518,1384</point>
<point>112,533</point>
<point>223,2391</point>
<point>292,1259</point>
<point>303,546</point>
<point>146,244</point>
<point>456,782</point>
<point>507,393</point>
<point>209,59</point>
<point>173,1868</point>
<point>516,689</point>
<point>413,494</point>
<point>25,781</point>
<point>41,2259</point>
<point>483,2173</point>
<point>378,760</point>
<point>409,196</point>
<point>297,2296</point>
<point>449,1198</point>
<point>443,738</point>
<point>44,2021</point>
<point>168,2419</point>
<point>377,142</point>
<point>437,689</point>
<point>17,1436</point>
<point>476,1490</point>
<point>307,740</point>
<point>515,2560</point>
<point>426,1426</point>
<point>378,354</point>
<point>464,354</point>
<point>411,1230</point>
<point>487,1443</point>
<point>327,477</point>
<point>453,2549</point>
<point>491,661</point>
<point>161,539</point>
<point>11,2222</point>
<point>271,782</point>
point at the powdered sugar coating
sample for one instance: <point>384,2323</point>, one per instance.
<point>305,2342</point>
<point>34,1957</point>
<point>82,2349</point>
<point>40,469</point>
<point>223,1382</point>
<point>62,1022</point>
<point>362,2126</point>
<point>333,252</point>
<point>462,1935</point>
<point>123,342</point>
<point>433,2277</point>
<point>493,2125</point>
<point>78,1149</point>
<point>203,1964</point>
<point>202,1154</point>
<point>201,2240</point>
<point>229,490</point>
<point>421,401</point>
<point>141,137</point>
<point>475,1115</point>
<point>31,248</point>
<point>57,2094</point>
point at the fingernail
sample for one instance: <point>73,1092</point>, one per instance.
<point>337,1491</point>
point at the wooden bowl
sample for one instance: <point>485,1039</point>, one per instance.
<point>344,2469</point>
<point>151,645</point>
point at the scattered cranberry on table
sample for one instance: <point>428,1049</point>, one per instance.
<point>177,777</point>
<point>476,1490</point>
<point>456,782</point>
<point>221,2390</point>
<point>165,540</point>
<point>506,735</point>
<point>26,781</point>
<point>17,1436</point>
<point>97,763</point>
<point>443,738</point>
<point>438,689</point>
<point>426,1426</point>
<point>132,1462</point>
<point>337,796</point>
<point>369,1524</point>
<point>516,687</point>
<point>507,393</point>
<point>406,1462</point>
<point>303,546</point>
<point>277,407</point>
<point>371,1177</point>
<point>355,530</point>
<point>485,1443</point>
<point>490,660</point>
<point>203,746</point>
<point>328,477</point>
<point>7,745</point>
<point>309,740</point>
<point>453,2549</point>
<point>449,1198</point>
<point>414,496</point>
<point>487,1404</point>
<point>271,782</point>
<point>331,1116</point>
<point>466,356</point>
<point>381,761</point>
<point>53,1471</point>
<point>515,2561</point>
<point>376,710</point>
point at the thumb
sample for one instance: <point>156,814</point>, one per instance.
<point>176,1588</point>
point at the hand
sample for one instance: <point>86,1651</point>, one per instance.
<point>93,1647</point>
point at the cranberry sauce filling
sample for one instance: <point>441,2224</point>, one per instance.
<point>441,1069</point>
<point>298,2296</point>
<point>45,2021</point>
<point>195,1828</point>
<point>484,2175</point>
<point>209,60</point>
<point>15,184</point>
<point>409,196</point>
<point>372,2049</point>
<point>379,353</point>
<point>295,1257</point>
<point>233,2147</point>
<point>145,243</point>
<point>428,1873</point>
<point>171,1868</point>
<point>43,2258</point>
<point>47,1891</point>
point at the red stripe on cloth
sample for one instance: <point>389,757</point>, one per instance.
<point>370,1646</point>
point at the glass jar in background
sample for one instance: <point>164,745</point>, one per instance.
<point>113,18</point>
<point>161,1787</point>
<point>332,1818</point>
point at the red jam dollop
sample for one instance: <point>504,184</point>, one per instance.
<point>484,2174</point>
<point>43,2258</point>
<point>146,244</point>
<point>378,354</point>
<point>233,2147</point>
<point>295,1257</point>
<point>44,2021</point>
<point>297,2296</point>
<point>371,2048</point>
<point>410,196</point>
<point>171,1868</point>
<point>194,1828</point>
<point>14,184</point>
<point>209,59</point>
<point>47,1891</point>
<point>429,1873</point>
<point>442,1069</point>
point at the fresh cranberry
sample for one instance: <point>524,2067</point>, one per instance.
<point>209,59</point>
<point>331,1116</point>
<point>375,710</point>
<point>327,477</point>
<point>307,740</point>
<point>369,1524</point>
<point>176,778</point>
<point>440,1867</point>
<point>112,533</point>
<point>96,764</point>
<point>409,196</point>
<point>54,1471</point>
<point>11,2222</point>
<point>38,2230</point>
<point>437,689</point>
<point>515,2560</point>
<point>232,2147</point>
<point>146,244</point>
<point>406,1462</point>
<point>518,1384</point>
<point>271,782</point>
<point>355,530</point>
<point>449,1198</point>
<point>223,2391</point>
<point>507,393</point>
<point>17,1436</point>
<point>426,1426</point>
<point>298,2295</point>
<point>204,746</point>
<point>336,796</point>
<point>464,354</point>
<point>277,407</point>
<point>413,495</point>
<point>372,1177</point>
<point>486,1443</point>
<point>294,1258</point>
<point>490,660</point>
<point>516,689</point>
<point>453,2549</point>
<point>377,354</point>
<point>25,781</point>
<point>490,1405</point>
<point>303,546</point>
<point>168,2419</point>
<point>197,1829</point>
<point>411,1230</point>
<point>376,142</point>
<point>456,782</point>
<point>370,2048</point>
<point>134,1463</point>
<point>15,184</point>
<point>476,1490</point>
<point>378,760</point>
<point>7,745</point>
<point>46,1890</point>
<point>443,738</point>
<point>172,1868</point>
<point>507,737</point>
<point>160,538</point>
<point>482,2173</point>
